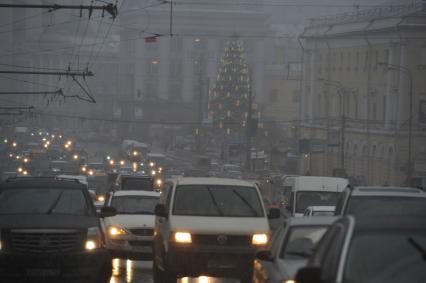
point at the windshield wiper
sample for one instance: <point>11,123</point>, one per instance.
<point>55,203</point>
<point>418,247</point>
<point>245,202</point>
<point>215,202</point>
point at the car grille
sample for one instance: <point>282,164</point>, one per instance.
<point>140,243</point>
<point>45,242</point>
<point>142,232</point>
<point>222,240</point>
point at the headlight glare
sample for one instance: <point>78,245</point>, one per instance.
<point>93,240</point>
<point>259,239</point>
<point>183,237</point>
<point>116,231</point>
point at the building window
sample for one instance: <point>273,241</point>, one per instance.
<point>342,59</point>
<point>175,91</point>
<point>319,63</point>
<point>151,46</point>
<point>176,44</point>
<point>375,60</point>
<point>366,60</point>
<point>175,68</point>
<point>150,91</point>
<point>356,61</point>
<point>151,66</point>
<point>273,95</point>
<point>349,62</point>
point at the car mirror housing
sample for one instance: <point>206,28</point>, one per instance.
<point>274,213</point>
<point>264,255</point>
<point>107,211</point>
<point>160,210</point>
<point>309,274</point>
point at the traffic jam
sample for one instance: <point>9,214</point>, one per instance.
<point>135,216</point>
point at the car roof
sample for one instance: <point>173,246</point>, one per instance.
<point>41,182</point>
<point>125,176</point>
<point>388,191</point>
<point>312,220</point>
<point>322,208</point>
<point>212,181</point>
<point>137,193</point>
<point>381,223</point>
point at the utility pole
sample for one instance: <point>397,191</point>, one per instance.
<point>109,8</point>
<point>249,128</point>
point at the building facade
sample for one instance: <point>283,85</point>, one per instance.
<point>363,81</point>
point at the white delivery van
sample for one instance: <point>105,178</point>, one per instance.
<point>308,191</point>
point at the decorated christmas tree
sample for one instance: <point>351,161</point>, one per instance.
<point>229,100</point>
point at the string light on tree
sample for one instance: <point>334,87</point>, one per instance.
<point>229,99</point>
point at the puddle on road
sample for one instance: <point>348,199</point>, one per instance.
<point>128,271</point>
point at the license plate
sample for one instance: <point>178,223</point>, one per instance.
<point>218,263</point>
<point>43,272</point>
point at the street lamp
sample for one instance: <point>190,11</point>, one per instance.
<point>340,91</point>
<point>408,72</point>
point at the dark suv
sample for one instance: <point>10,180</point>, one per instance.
<point>49,230</point>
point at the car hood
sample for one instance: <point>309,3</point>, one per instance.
<point>213,225</point>
<point>289,267</point>
<point>131,221</point>
<point>48,221</point>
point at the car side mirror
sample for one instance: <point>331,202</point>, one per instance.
<point>309,274</point>
<point>274,213</point>
<point>160,210</point>
<point>107,211</point>
<point>264,255</point>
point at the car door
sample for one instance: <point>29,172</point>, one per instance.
<point>162,226</point>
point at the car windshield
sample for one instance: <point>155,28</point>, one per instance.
<point>43,201</point>
<point>217,201</point>
<point>386,206</point>
<point>301,241</point>
<point>134,204</point>
<point>96,166</point>
<point>137,184</point>
<point>323,213</point>
<point>305,199</point>
<point>391,257</point>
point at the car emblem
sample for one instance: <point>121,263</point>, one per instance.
<point>222,239</point>
<point>44,242</point>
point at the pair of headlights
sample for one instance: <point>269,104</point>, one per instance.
<point>186,238</point>
<point>93,240</point>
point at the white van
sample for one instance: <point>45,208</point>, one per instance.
<point>308,191</point>
<point>209,226</point>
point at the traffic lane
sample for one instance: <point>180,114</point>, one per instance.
<point>129,271</point>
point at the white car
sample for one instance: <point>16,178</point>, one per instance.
<point>319,211</point>
<point>129,234</point>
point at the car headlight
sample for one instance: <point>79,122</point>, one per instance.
<point>183,237</point>
<point>116,231</point>
<point>101,198</point>
<point>93,240</point>
<point>289,281</point>
<point>1,244</point>
<point>259,239</point>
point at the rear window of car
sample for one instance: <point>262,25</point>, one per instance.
<point>217,201</point>
<point>137,184</point>
<point>378,206</point>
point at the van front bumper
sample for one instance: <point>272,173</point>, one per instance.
<point>193,260</point>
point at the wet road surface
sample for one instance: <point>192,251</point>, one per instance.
<point>128,271</point>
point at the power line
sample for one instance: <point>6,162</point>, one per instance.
<point>277,4</point>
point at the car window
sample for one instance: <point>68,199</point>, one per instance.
<point>217,201</point>
<point>340,203</point>
<point>137,184</point>
<point>134,204</point>
<point>380,206</point>
<point>314,198</point>
<point>392,257</point>
<point>300,241</point>
<point>43,201</point>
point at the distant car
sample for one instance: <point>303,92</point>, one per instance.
<point>135,183</point>
<point>96,168</point>
<point>376,201</point>
<point>130,232</point>
<point>209,226</point>
<point>369,250</point>
<point>319,211</point>
<point>291,248</point>
<point>50,231</point>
